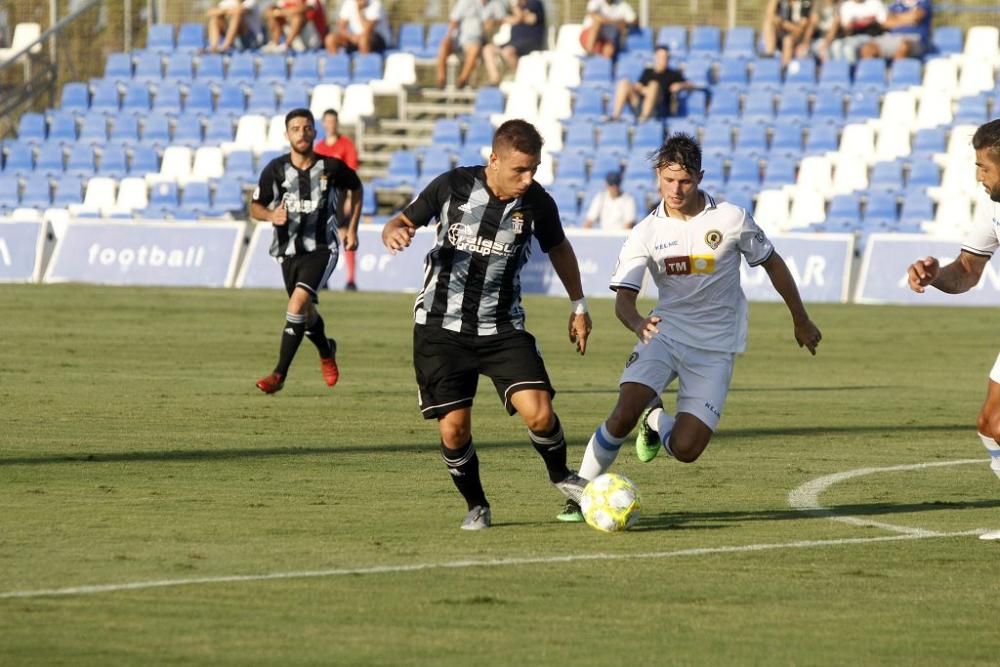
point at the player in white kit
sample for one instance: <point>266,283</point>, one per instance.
<point>692,246</point>
<point>964,273</point>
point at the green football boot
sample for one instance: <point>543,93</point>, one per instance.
<point>647,442</point>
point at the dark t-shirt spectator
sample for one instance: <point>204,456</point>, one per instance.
<point>666,78</point>
<point>527,38</point>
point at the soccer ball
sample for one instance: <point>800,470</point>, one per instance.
<point>610,503</point>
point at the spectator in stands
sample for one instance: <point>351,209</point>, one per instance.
<point>788,24</point>
<point>469,26</point>
<point>612,208</point>
<point>908,32</point>
<point>859,21</point>
<point>302,23</point>
<point>527,32</point>
<point>232,21</point>
<point>654,89</point>
<point>827,16</point>
<point>340,146</point>
<point>606,23</point>
<point>362,26</point>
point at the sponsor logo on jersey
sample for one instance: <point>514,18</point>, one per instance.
<point>713,238</point>
<point>295,205</point>
<point>667,244</point>
<point>688,264</point>
<point>463,238</point>
<point>714,410</point>
<point>631,359</point>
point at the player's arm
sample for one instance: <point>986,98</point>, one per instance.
<point>263,197</point>
<point>807,334</point>
<point>960,276</point>
<point>398,232</point>
<point>564,262</point>
<point>628,314</point>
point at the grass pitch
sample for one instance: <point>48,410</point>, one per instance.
<point>134,447</point>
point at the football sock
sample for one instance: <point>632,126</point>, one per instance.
<point>351,257</point>
<point>662,422</point>
<point>552,447</point>
<point>994,449</point>
<point>291,337</point>
<point>317,334</point>
<point>602,450</point>
<point>463,464</point>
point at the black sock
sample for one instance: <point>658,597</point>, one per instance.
<point>316,332</point>
<point>463,464</point>
<point>291,337</point>
<point>552,447</point>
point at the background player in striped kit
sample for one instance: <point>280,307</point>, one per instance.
<point>307,198</point>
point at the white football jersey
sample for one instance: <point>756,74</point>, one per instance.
<point>696,267</point>
<point>983,238</point>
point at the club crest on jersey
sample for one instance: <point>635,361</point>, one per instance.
<point>688,264</point>
<point>517,220</point>
<point>713,238</point>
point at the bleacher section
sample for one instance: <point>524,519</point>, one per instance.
<point>169,132</point>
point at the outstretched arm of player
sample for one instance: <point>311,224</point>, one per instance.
<point>807,334</point>
<point>627,311</point>
<point>960,276</point>
<point>398,233</point>
<point>277,217</point>
<point>352,205</point>
<point>564,262</point>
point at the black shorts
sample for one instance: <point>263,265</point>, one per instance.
<point>309,271</point>
<point>377,44</point>
<point>449,364</point>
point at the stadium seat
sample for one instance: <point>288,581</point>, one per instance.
<point>176,164</point>
<point>400,71</point>
<point>579,137</point>
<point>239,164</point>
<point>325,96</point>
<point>976,77</point>
<point>815,173</point>
<point>489,100</point>
<point>744,173</point>
<point>94,129</point>
<point>724,106</point>
<point>829,105</point>
<point>822,138</point>
<point>846,206</point>
<point>37,193</point>
<point>118,67</point>
<point>972,110</point>
<point>191,37</point>
<point>881,208</point>
<point>196,197</point>
<point>933,109</point>
<point>698,71</point>
<point>597,73</point>
<point>779,171</point>
<point>251,134</point>
<point>148,68</point>
<point>336,69</point>
<point>478,132</point>
<point>263,99</point>
<point>924,174</point>
<point>359,103</point>
<point>886,176</point>
<point>435,161</point>
<point>771,210</point>
<point>675,37</point>
<point>759,105</point>
<point>765,72</point>
<point>446,134</point>
<point>567,202</point>
<point>706,40</point>
<point>630,66</point>
<point>835,75</point>
<point>402,169</point>
<point>613,137</point>
<point>927,142</point>
<point>125,130</point>
<point>981,44</point>
<point>647,136</point>
<point>556,103</point>
<point>411,38</point>
<point>228,197</point>
<point>787,139</point>
<point>571,171</point>
<point>947,40</point>
<point>588,104</point>
<point>100,194</point>
<point>231,98</point>
<point>160,38</point>
<point>689,126</point>
<point>75,97</point>
<point>732,70</point>
<point>893,142</point>
<point>917,208</point>
<point>692,104</point>
<point>68,192</point>
<point>51,159</point>
<point>717,138</point>
<point>862,106</point>
<point>10,189</point>
<point>808,208</point>
<point>367,67</point>
<point>469,156</point>
<point>198,100</point>
<point>62,126</point>
<point>899,107</point>
<point>168,97</point>
<point>210,68</point>
<point>858,141</point>
<point>136,99</point>
<point>295,96</point>
<point>752,139</point>
<point>163,196</point>
<point>793,106</point>
<point>273,69</point>
<point>242,68</point>
<point>639,39</point>
<point>904,73</point>
<point>564,69</point>
<point>144,162</point>
<point>31,127</point>
<point>113,162</point>
<point>105,97</point>
<point>849,174</point>
<point>739,42</point>
<point>435,35</point>
<point>870,72</point>
<point>801,72</point>
<point>188,131</point>
<point>180,68</point>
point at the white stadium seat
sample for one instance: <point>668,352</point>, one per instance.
<point>982,44</point>
<point>808,207</point>
<point>359,102</point>
<point>556,103</point>
<point>176,165</point>
<point>849,174</point>
<point>251,135</point>
<point>858,141</point>
<point>941,75</point>
<point>771,211</point>
<point>208,163</point>
<point>934,109</point>
<point>100,196</point>
<point>400,71</point>
<point>132,195</point>
<point>326,96</point>
<point>552,133</point>
<point>976,76</point>
<point>24,34</point>
<point>954,214</point>
<point>276,138</point>
<point>893,142</point>
<point>899,108</point>
<point>960,143</point>
<point>521,103</point>
<point>568,39</point>
<point>532,72</point>
<point>814,174</point>
<point>564,70</point>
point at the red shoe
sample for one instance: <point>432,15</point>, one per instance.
<point>329,366</point>
<point>271,384</point>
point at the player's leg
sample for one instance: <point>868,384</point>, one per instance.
<point>350,256</point>
<point>988,422</point>
<point>315,271</point>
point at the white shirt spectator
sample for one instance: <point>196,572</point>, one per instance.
<point>857,16</point>
<point>471,14</point>
<point>251,15</point>
<point>612,212</point>
<point>373,12</point>
<point>613,10</point>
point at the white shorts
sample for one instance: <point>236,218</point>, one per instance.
<point>995,371</point>
<point>704,375</point>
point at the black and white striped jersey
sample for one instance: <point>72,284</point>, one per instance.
<point>313,198</point>
<point>472,280</point>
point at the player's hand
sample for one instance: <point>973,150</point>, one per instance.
<point>579,330</point>
<point>397,236</point>
<point>350,240</point>
<point>808,335</point>
<point>648,329</point>
<point>922,273</point>
<point>279,216</point>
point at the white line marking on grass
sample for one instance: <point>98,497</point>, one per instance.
<point>460,564</point>
<point>806,497</point>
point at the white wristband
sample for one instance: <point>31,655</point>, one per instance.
<point>580,306</point>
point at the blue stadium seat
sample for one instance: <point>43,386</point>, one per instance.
<point>647,136</point>
<point>210,68</point>
<point>31,127</point>
<point>94,129</point>
<point>717,138</point>
<point>191,37</point>
<point>136,98</point>
<point>835,74</point>
<point>469,156</point>
<point>51,160</point>
<point>435,34</point>
<point>231,98</point>
<point>589,104</point>
<point>266,156</point>
<point>732,71</point>
<point>793,105</point>
<point>689,126</point>
<point>161,38</point>
<point>446,135</point>
<point>19,158</point>
<point>675,38</point>
<point>724,106</point>
<point>62,126</point>
<point>917,207</point>
<point>597,73</point>
<point>739,42</point>
<point>698,71</point>
<point>183,214</point>
<point>779,171</point>
<point>118,67</point>
<point>241,68</point>
<point>163,196</point>
<point>759,104</point>
<point>369,205</point>
<point>881,208</point>
<point>336,68</point>
<point>905,72</point>
<point>180,68</point>
<point>411,38</point>
<point>403,167</point>
<point>228,196</point>
<point>870,72</point>
<point>631,64</point>
<point>822,138</point>
<point>829,105</point>
<point>148,67</point>
<point>75,97</point>
<point>125,130</point>
<point>567,203</point>
<point>787,139</point>
<point>766,72</point>
<point>478,132</point>
<point>296,96</point>
<point>113,162</point>
<point>273,68</point>
<point>714,168</point>
<point>886,176</point>
<point>187,131</point>
<point>740,197</point>
<point>144,161</point>
<point>10,192</point>
<point>744,173</point>
<point>239,164</point>
<point>367,67</point>
<point>927,142</point>
<point>196,197</point>
<point>436,162</point>
<point>924,174</point>
<point>305,67</point>
<point>263,99</point>
<point>168,97</point>
<point>639,39</point>
<point>845,207</point>
<point>801,72</point>
<point>81,161</point>
<point>613,137</point>
<point>706,39</point>
<point>692,103</point>
<point>69,191</point>
<point>199,100</point>
<point>971,110</point>
<point>608,158</point>
<point>105,97</point>
<point>37,193</point>
<point>638,167</point>
<point>947,40</point>
<point>156,130</point>
<point>579,137</point>
<point>489,100</point>
<point>862,106</point>
<point>571,170</point>
<point>752,139</point>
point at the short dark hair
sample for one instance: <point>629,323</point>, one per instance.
<point>680,149</point>
<point>988,137</point>
<point>519,135</point>
<point>662,47</point>
<point>331,112</point>
<point>300,113</point>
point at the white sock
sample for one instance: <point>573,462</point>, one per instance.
<point>662,422</point>
<point>994,449</point>
<point>602,450</point>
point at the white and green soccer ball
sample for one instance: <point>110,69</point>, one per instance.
<point>610,503</point>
